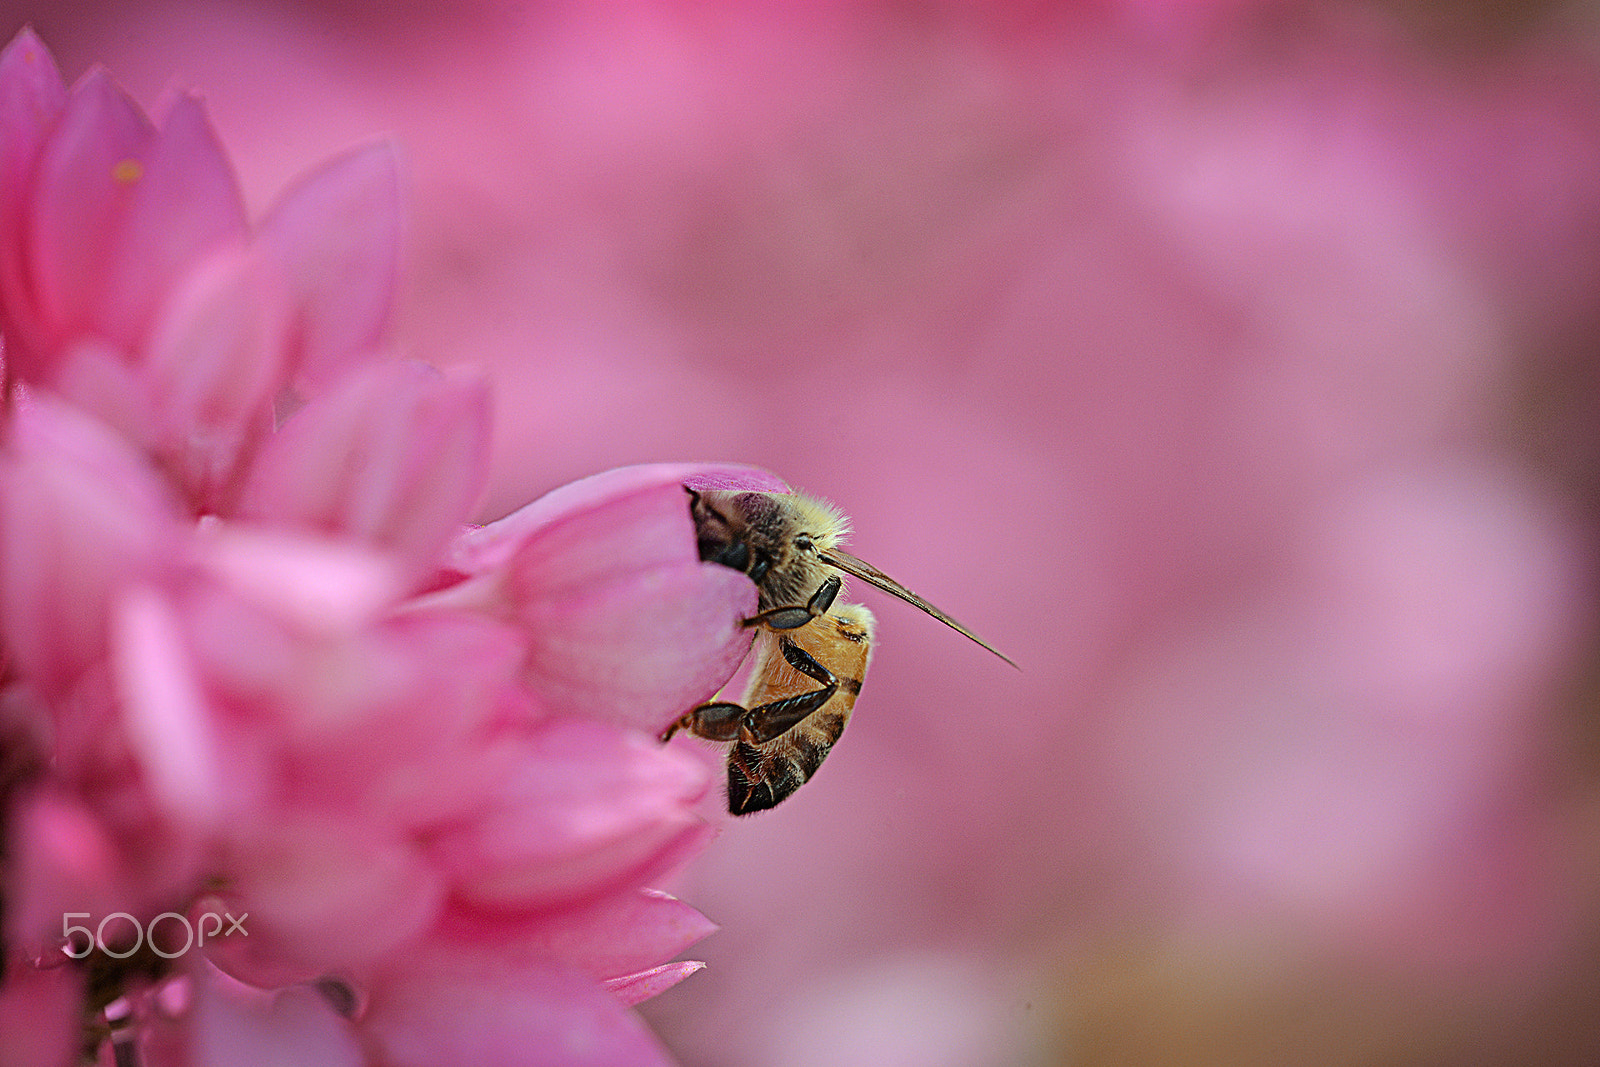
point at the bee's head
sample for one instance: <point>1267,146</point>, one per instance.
<point>775,538</point>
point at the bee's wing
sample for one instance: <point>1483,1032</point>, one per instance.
<point>860,568</point>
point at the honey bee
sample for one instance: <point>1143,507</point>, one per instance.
<point>811,654</point>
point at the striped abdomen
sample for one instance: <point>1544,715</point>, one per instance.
<point>840,642</point>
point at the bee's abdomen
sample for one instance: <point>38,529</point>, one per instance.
<point>761,776</point>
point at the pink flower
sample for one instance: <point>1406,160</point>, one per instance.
<point>258,666</point>
<point>366,776</point>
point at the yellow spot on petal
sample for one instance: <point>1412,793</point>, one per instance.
<point>128,171</point>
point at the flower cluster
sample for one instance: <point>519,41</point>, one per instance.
<point>255,664</point>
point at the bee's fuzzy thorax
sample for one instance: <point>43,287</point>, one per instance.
<point>824,521</point>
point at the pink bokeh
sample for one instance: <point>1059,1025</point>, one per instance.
<point>1229,366</point>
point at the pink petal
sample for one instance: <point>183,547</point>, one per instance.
<point>185,204</point>
<point>491,546</point>
<point>638,649</point>
<point>168,720</point>
<point>607,533</point>
<point>454,789</point>
<point>635,988</point>
<point>97,378</point>
<point>396,456</point>
<point>589,807</point>
<point>709,477</point>
<point>625,933</point>
<point>87,177</point>
<point>215,360</point>
<point>613,935</point>
<point>256,959</point>
<point>672,857</point>
<point>317,585</point>
<point>254,661</point>
<point>337,235</point>
<point>623,621</point>
<point>474,1008</point>
<point>80,516</point>
<point>63,860</point>
<point>32,97</point>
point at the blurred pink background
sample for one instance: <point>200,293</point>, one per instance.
<point>1231,366</point>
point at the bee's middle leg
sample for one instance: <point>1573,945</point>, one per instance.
<point>768,721</point>
<point>714,722</point>
<point>733,722</point>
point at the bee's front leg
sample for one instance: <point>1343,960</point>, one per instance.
<point>792,618</point>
